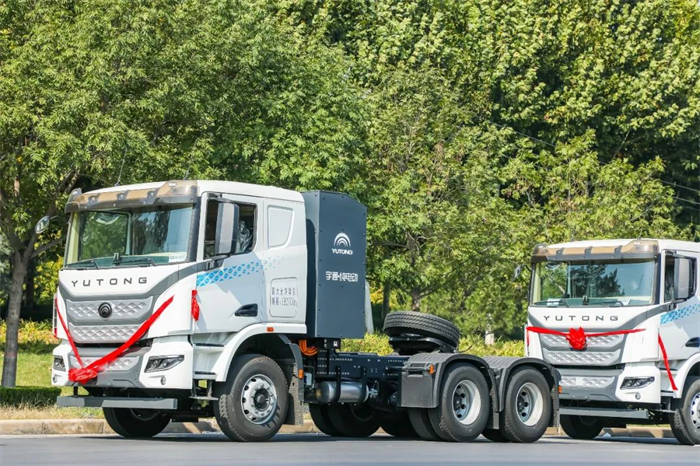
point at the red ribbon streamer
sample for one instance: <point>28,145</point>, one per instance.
<point>195,306</point>
<point>83,374</point>
<point>668,367</point>
<point>577,341</point>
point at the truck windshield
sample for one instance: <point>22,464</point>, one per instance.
<point>591,283</point>
<point>148,236</point>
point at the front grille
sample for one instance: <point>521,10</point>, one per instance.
<point>586,382</point>
<point>102,333</point>
<point>119,364</point>
<point>122,309</point>
<point>582,358</point>
<point>607,341</point>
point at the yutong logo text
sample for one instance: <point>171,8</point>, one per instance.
<point>341,244</point>
<point>110,281</point>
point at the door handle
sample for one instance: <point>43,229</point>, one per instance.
<point>248,310</point>
<point>693,343</point>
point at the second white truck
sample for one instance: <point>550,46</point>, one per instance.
<point>620,320</point>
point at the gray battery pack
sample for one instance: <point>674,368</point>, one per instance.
<point>336,229</point>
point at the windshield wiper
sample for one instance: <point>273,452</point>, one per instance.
<point>559,302</point>
<point>86,262</point>
<point>135,260</point>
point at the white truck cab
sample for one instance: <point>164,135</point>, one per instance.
<point>620,320</point>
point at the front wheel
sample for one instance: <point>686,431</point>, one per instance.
<point>685,421</point>
<point>252,403</point>
<point>136,423</point>
<point>581,427</point>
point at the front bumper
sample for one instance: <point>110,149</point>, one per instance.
<point>116,402</point>
<point>128,371</point>
<point>603,384</point>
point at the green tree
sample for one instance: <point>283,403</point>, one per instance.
<point>153,90</point>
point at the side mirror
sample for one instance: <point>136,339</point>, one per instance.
<point>42,224</point>
<point>519,271</point>
<point>682,278</point>
<point>226,228</point>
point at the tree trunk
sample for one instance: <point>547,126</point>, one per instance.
<point>415,300</point>
<point>386,300</point>
<point>28,305</point>
<point>20,264</point>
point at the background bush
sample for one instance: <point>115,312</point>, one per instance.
<point>31,397</point>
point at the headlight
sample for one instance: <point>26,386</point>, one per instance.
<point>58,364</point>
<point>163,363</point>
<point>636,382</point>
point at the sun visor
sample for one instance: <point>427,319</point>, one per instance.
<point>636,249</point>
<point>171,192</point>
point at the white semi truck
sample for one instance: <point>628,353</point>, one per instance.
<point>620,320</point>
<point>187,299</point>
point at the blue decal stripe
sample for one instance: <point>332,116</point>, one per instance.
<point>236,271</point>
<point>680,313</point>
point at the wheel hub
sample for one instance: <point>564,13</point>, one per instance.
<point>259,399</point>
<point>466,402</point>
<point>695,411</point>
<point>529,404</point>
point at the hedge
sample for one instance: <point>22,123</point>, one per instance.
<point>34,397</point>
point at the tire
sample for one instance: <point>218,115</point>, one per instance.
<point>397,425</point>
<point>528,406</point>
<point>321,417</point>
<point>463,422</point>
<point>252,402</point>
<point>402,322</point>
<point>685,422</point>
<point>581,427</point>
<point>420,421</point>
<point>495,435</point>
<point>353,420</point>
<point>136,423</point>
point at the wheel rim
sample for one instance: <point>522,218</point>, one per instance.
<point>466,402</point>
<point>529,404</point>
<point>695,411</point>
<point>259,399</point>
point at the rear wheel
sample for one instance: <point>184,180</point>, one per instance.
<point>581,427</point>
<point>136,423</point>
<point>353,420</point>
<point>463,410</point>
<point>252,402</point>
<point>685,422</point>
<point>528,406</point>
<point>420,421</point>
<point>321,417</point>
<point>397,424</point>
<point>495,435</point>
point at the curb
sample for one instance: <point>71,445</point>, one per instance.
<point>100,427</point>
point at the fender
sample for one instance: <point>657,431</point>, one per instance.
<point>504,365</point>
<point>683,372</point>
<point>233,342</point>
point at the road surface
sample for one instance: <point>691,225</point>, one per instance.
<point>317,449</point>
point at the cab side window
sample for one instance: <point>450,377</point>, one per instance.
<point>669,264</point>
<point>246,228</point>
<point>669,272</point>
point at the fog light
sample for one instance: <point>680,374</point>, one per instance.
<point>58,364</point>
<point>163,363</point>
<point>637,396</point>
<point>55,379</point>
<point>636,382</point>
<point>163,381</point>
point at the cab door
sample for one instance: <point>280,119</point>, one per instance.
<point>230,291</point>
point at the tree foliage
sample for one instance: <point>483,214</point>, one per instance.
<point>471,129</point>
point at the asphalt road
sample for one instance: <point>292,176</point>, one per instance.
<point>310,449</point>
